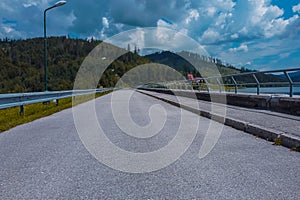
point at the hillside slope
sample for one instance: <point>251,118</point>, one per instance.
<point>22,64</point>
<point>183,62</point>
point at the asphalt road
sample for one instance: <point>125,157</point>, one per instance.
<point>46,159</point>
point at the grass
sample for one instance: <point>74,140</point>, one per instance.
<point>203,86</point>
<point>11,117</point>
<point>297,149</point>
<point>278,141</point>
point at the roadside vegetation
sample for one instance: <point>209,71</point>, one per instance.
<point>11,117</point>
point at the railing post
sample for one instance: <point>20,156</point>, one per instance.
<point>235,84</point>
<point>207,84</point>
<point>290,82</point>
<point>22,110</point>
<point>219,84</point>
<point>257,84</point>
<point>191,85</point>
<point>165,85</point>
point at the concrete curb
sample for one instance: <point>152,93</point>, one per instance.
<point>286,140</point>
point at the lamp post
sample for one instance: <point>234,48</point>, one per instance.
<point>57,4</point>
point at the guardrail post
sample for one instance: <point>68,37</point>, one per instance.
<point>191,85</point>
<point>207,84</point>
<point>177,85</point>
<point>235,84</point>
<point>257,84</point>
<point>290,82</point>
<point>219,84</point>
<point>46,102</point>
<point>182,85</point>
<point>56,102</point>
<point>22,110</point>
<point>166,85</point>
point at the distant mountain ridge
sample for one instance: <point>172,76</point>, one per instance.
<point>179,63</point>
<point>295,76</point>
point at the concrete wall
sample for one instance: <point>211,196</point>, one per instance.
<point>289,105</point>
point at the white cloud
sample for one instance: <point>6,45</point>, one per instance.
<point>244,31</point>
<point>219,5</point>
<point>6,7</point>
<point>279,26</point>
<point>242,48</point>
<point>105,22</point>
<point>251,20</point>
<point>69,19</point>
<point>222,20</point>
<point>138,38</point>
<point>105,25</point>
<point>164,23</point>
<point>210,11</point>
<point>296,8</point>
<point>210,36</point>
<point>156,38</point>
<point>262,12</point>
<point>284,55</point>
<point>8,29</point>
<point>259,50</point>
<point>26,5</point>
<point>234,36</point>
<point>193,15</point>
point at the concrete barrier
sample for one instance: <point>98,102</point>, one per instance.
<point>288,105</point>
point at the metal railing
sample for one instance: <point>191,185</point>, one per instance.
<point>232,80</point>
<point>21,99</point>
<point>236,82</point>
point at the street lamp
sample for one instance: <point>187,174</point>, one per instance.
<point>57,4</point>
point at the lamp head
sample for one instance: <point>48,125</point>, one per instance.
<point>60,3</point>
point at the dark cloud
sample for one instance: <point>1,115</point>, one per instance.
<point>88,16</point>
<point>129,13</point>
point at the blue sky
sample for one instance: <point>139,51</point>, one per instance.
<point>258,34</point>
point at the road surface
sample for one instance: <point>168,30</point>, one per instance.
<point>46,159</point>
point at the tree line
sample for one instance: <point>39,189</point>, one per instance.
<point>22,64</point>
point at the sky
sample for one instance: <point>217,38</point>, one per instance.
<point>256,34</point>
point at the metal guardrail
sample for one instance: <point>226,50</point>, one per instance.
<point>219,82</point>
<point>257,83</point>
<point>21,99</point>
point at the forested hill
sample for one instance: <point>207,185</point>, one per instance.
<point>22,64</point>
<point>204,63</point>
